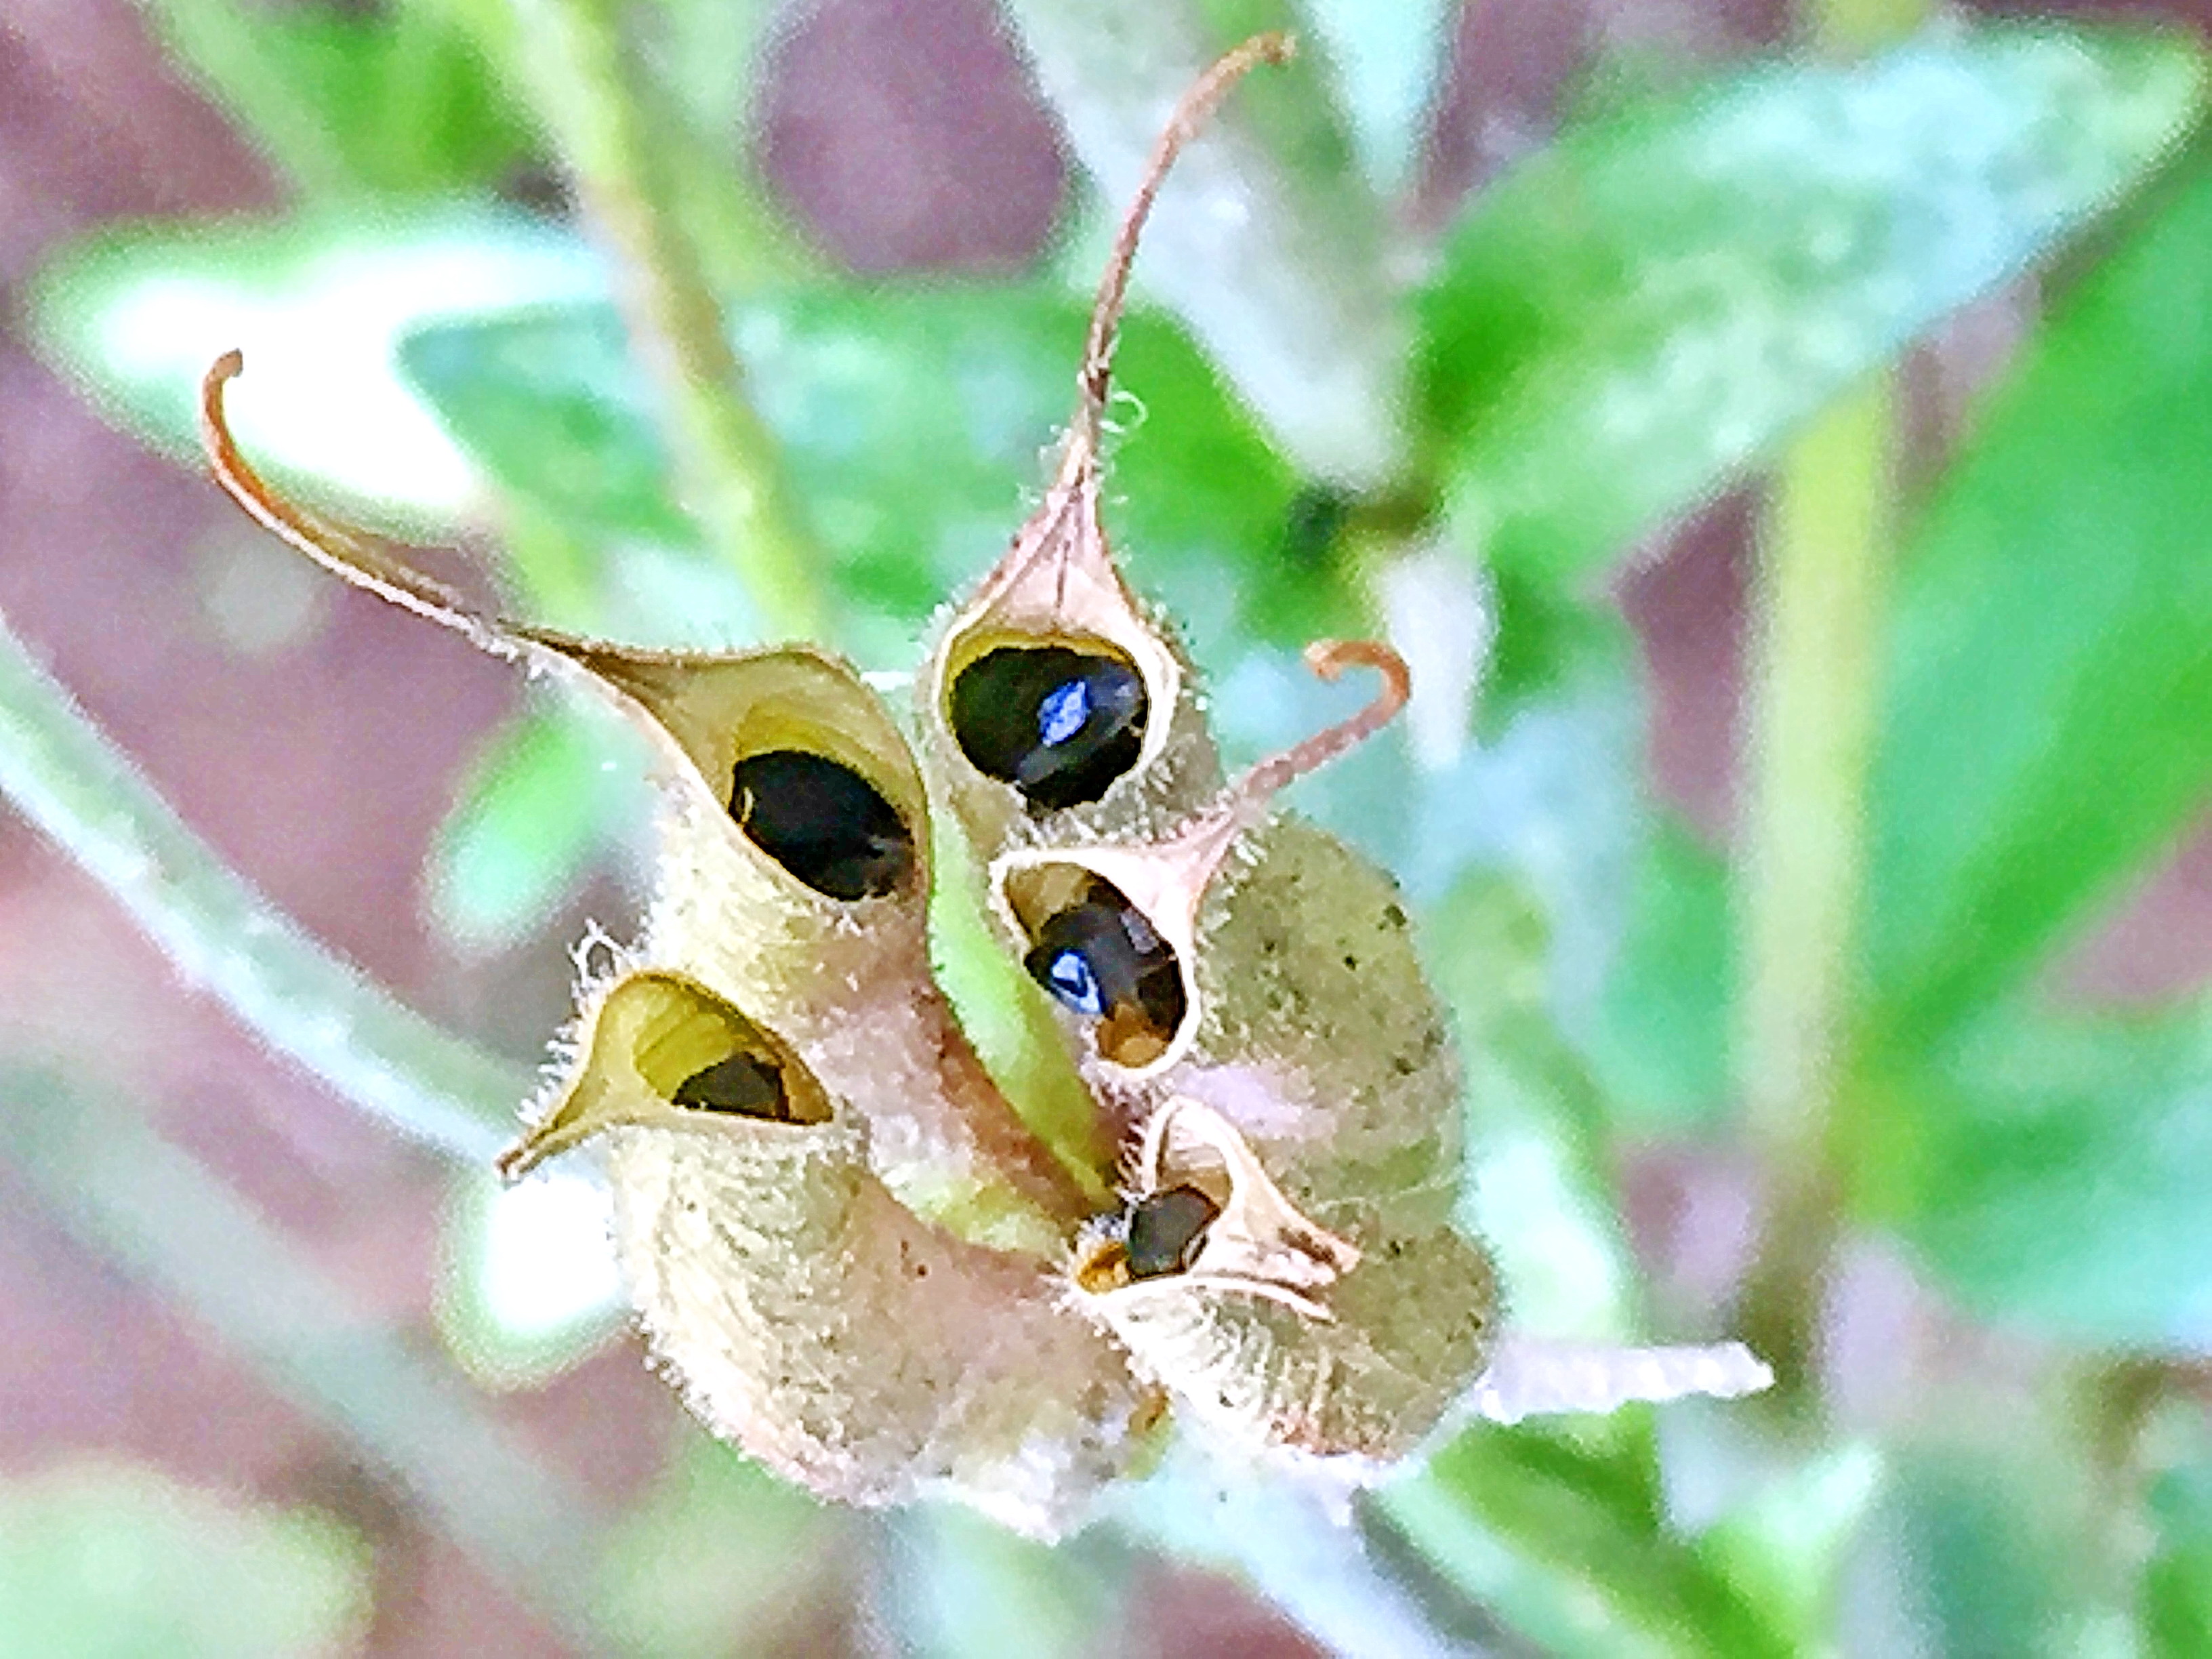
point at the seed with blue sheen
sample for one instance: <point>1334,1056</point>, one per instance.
<point>1059,724</point>
<point>1101,958</point>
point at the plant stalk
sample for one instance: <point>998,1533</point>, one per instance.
<point>128,1194</point>
<point>726,461</point>
<point>225,939</point>
<point>1822,580</point>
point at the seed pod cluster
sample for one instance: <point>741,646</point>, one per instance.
<point>843,1242</point>
<point>844,1245</point>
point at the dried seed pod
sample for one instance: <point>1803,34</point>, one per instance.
<point>794,870</point>
<point>1268,1327</point>
<point>1261,967</point>
<point>1054,696</point>
<point>806,1313</point>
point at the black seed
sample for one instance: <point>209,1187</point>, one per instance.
<point>1166,1230</point>
<point>742,1084</point>
<point>823,821</point>
<point>1101,957</point>
<point>1058,725</point>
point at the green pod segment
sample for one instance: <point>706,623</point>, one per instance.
<point>1268,1329</point>
<point>805,1314</point>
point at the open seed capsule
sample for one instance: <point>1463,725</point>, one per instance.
<point>1261,966</point>
<point>806,1314</point>
<point>792,876</point>
<point>1268,1329</point>
<point>1053,701</point>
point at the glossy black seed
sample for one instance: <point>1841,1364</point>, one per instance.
<point>742,1084</point>
<point>1101,957</point>
<point>1058,725</point>
<point>1166,1230</point>
<point>823,821</point>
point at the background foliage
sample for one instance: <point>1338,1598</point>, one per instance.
<point>529,292</point>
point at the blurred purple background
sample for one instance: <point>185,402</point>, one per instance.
<point>319,758</point>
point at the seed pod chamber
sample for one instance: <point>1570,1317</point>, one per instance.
<point>1054,704</point>
<point>792,877</point>
<point>805,1314</point>
<point>1335,1309</point>
<point>1409,1331</point>
<point>1268,1329</point>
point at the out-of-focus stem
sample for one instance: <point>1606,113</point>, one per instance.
<point>728,463</point>
<point>224,939</point>
<point>1816,677</point>
<point>1820,601</point>
<point>156,1214</point>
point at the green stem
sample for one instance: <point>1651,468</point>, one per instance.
<point>224,939</point>
<point>139,1202</point>
<point>1822,584</point>
<point>234,50</point>
<point>1282,1537</point>
<point>726,460</point>
<point>1819,606</point>
<point>1803,851</point>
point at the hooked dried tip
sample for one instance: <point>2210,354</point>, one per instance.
<point>1191,114</point>
<point>1195,854</point>
<point>1329,658</point>
<point>344,552</point>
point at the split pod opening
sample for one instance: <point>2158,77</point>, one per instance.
<point>824,823</point>
<point>1100,958</point>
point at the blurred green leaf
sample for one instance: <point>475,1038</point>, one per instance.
<point>1642,310</point>
<point>1661,1041</point>
<point>2177,1587</point>
<point>134,314</point>
<point>912,424</point>
<point>393,100</point>
<point>1564,1531</point>
<point>1982,1557</point>
<point>539,805</point>
<point>2057,1174</point>
<point>960,1587</point>
<point>1788,1544</point>
<point>2050,665</point>
<point>116,1563</point>
<point>722,1558</point>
